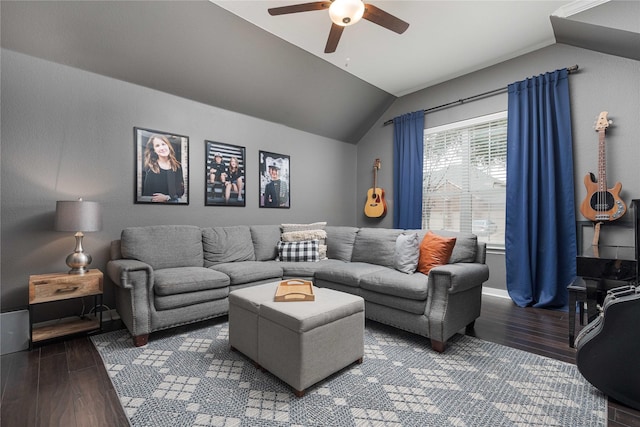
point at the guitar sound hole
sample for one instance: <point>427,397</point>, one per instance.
<point>601,201</point>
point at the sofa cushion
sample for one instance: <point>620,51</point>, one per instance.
<point>163,246</point>
<point>340,240</point>
<point>304,269</point>
<point>393,282</point>
<point>299,251</point>
<point>170,302</point>
<point>348,273</point>
<point>404,304</point>
<point>376,246</point>
<point>227,244</point>
<point>171,281</point>
<point>265,238</point>
<point>242,272</point>
<point>407,253</point>
<point>434,250</point>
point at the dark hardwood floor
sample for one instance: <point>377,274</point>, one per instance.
<point>65,384</point>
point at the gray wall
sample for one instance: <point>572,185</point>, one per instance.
<point>68,133</point>
<point>603,83</point>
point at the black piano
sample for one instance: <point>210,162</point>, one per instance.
<point>602,268</point>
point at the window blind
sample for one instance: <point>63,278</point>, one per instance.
<point>464,178</point>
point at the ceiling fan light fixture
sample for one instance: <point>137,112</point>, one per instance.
<point>346,12</point>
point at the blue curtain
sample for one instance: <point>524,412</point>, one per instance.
<point>540,240</point>
<point>408,135</point>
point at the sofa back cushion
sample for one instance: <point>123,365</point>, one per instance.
<point>376,246</point>
<point>163,246</point>
<point>340,240</point>
<point>227,244</point>
<point>265,240</point>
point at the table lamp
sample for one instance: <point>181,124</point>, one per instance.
<point>78,216</point>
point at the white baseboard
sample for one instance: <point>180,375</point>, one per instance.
<point>500,293</point>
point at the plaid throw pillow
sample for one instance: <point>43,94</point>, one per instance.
<point>306,250</point>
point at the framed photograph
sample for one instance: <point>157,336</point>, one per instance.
<point>162,167</point>
<point>224,174</point>
<point>275,180</point>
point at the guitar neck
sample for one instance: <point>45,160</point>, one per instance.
<point>376,166</point>
<point>602,162</point>
<point>375,178</point>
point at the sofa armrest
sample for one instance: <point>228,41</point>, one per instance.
<point>119,271</point>
<point>134,286</point>
<point>458,277</point>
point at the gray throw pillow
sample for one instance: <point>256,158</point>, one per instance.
<point>407,253</point>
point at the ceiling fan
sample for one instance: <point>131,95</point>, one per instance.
<point>344,13</point>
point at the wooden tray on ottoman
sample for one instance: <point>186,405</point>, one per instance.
<point>295,290</point>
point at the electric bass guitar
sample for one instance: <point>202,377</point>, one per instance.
<point>601,203</point>
<point>376,206</point>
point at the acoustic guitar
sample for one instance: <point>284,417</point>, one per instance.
<point>375,206</point>
<point>602,203</point>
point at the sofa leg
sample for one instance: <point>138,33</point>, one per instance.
<point>141,340</point>
<point>438,346</point>
<point>469,327</point>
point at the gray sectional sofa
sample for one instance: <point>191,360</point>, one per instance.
<point>171,275</point>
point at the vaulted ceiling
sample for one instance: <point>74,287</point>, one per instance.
<point>234,56</point>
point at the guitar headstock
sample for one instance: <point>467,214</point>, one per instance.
<point>602,122</point>
<point>376,164</point>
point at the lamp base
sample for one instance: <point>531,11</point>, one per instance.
<point>78,260</point>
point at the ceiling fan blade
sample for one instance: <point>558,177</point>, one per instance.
<point>384,19</point>
<point>334,38</point>
<point>303,7</point>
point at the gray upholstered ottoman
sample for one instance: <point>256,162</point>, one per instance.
<point>243,317</point>
<point>304,342</point>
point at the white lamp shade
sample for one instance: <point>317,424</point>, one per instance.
<point>78,216</point>
<point>346,12</point>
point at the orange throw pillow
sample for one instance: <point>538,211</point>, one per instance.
<point>434,250</point>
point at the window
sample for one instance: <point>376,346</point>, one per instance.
<point>464,179</point>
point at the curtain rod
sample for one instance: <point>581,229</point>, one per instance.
<point>571,69</point>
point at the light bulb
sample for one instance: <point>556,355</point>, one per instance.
<point>346,12</point>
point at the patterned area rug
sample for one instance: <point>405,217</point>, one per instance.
<point>190,377</point>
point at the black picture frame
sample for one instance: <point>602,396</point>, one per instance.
<point>164,186</point>
<point>223,185</point>
<point>274,193</point>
